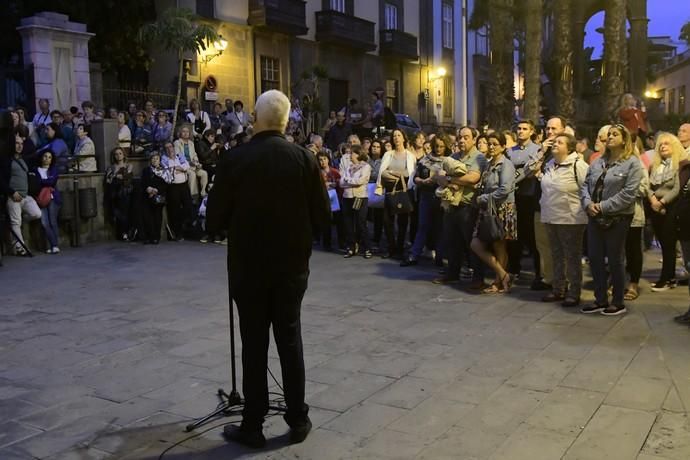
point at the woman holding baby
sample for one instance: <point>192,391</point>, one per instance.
<point>497,191</point>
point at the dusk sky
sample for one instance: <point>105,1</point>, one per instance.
<point>666,17</point>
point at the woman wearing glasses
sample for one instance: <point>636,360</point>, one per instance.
<point>608,196</point>
<point>497,187</point>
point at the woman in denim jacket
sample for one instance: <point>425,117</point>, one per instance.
<point>608,196</point>
<point>498,183</point>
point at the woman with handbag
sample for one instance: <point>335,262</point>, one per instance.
<point>497,221</point>
<point>663,191</point>
<point>564,218</point>
<point>608,196</point>
<point>118,181</point>
<point>396,177</point>
<point>154,184</point>
<point>49,200</point>
<point>355,199</point>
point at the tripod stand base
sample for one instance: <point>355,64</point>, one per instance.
<point>230,404</point>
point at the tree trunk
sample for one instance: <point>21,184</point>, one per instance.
<point>501,91</point>
<point>564,57</point>
<point>614,56</point>
<point>180,74</point>
<point>533,40</point>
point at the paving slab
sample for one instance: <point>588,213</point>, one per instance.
<point>397,367</point>
<point>613,433</point>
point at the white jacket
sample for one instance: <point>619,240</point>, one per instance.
<point>560,187</point>
<point>386,161</point>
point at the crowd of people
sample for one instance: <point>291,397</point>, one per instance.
<point>479,202</point>
<point>176,180</point>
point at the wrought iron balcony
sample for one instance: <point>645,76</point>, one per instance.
<point>342,29</point>
<point>285,16</point>
<point>398,44</point>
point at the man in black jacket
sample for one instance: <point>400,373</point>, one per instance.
<point>269,195</point>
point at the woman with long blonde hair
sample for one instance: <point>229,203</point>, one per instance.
<point>608,196</point>
<point>663,191</point>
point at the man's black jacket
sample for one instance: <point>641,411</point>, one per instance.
<point>268,194</point>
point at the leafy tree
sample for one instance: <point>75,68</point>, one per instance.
<point>685,32</point>
<point>308,86</point>
<point>179,30</point>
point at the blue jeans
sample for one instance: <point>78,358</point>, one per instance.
<point>49,220</point>
<point>429,224</point>
<point>608,243</point>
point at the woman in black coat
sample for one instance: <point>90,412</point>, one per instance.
<point>154,182</point>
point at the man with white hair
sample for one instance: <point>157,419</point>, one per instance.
<point>269,194</point>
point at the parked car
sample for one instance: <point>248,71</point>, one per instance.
<point>406,124</point>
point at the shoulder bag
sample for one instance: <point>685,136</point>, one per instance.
<point>398,201</point>
<point>490,227</point>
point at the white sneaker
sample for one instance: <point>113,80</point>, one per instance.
<point>56,250</point>
<point>49,251</point>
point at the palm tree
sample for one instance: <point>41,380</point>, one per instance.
<point>309,86</point>
<point>563,54</point>
<point>501,91</point>
<point>685,33</point>
<point>533,39</point>
<point>179,30</point>
<point>613,70</point>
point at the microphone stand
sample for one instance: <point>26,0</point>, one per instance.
<point>230,403</point>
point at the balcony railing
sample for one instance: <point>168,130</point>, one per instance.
<point>398,44</point>
<point>342,29</point>
<point>285,16</point>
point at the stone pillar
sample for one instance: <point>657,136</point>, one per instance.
<point>579,60</point>
<point>104,136</point>
<point>638,55</point>
<point>58,49</point>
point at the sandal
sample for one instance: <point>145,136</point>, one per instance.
<point>506,283</point>
<point>492,289</point>
<point>631,294</point>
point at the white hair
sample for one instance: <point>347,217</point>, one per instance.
<point>603,131</point>
<point>273,109</point>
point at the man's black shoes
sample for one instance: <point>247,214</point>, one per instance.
<point>253,438</point>
<point>298,433</point>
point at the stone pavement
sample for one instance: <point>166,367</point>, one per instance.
<point>106,352</point>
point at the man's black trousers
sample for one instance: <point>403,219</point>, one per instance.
<point>271,302</point>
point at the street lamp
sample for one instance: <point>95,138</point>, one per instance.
<point>650,94</point>
<point>440,73</point>
<point>219,45</point>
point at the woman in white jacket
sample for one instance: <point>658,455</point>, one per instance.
<point>355,202</point>
<point>565,219</point>
<point>396,173</point>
